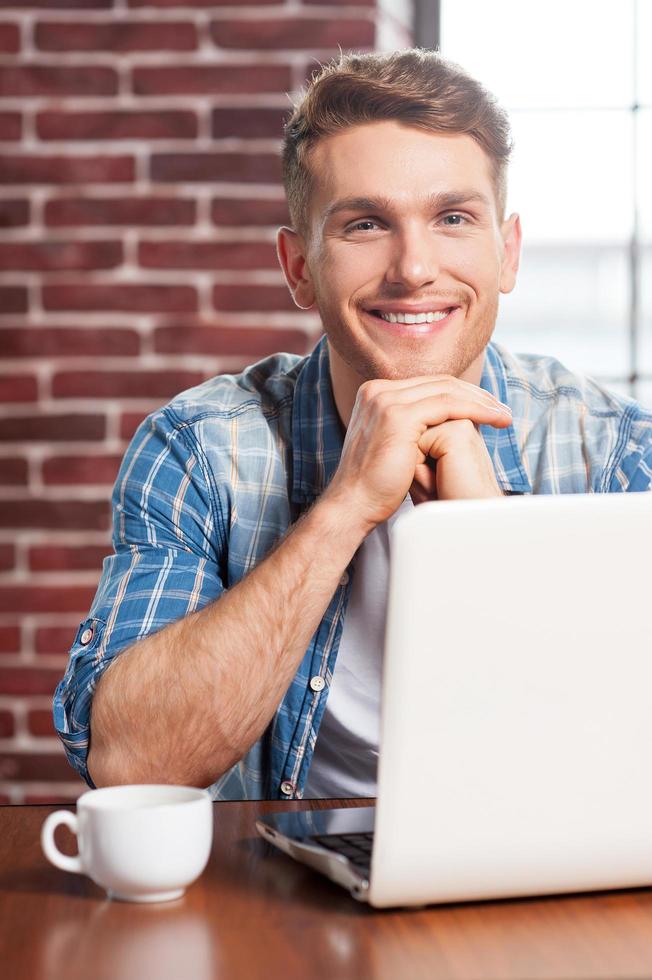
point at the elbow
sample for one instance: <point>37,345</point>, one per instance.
<point>106,764</point>
<point>110,767</point>
<point>99,769</point>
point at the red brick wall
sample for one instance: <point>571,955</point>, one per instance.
<point>139,197</point>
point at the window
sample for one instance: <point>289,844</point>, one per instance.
<point>576,79</point>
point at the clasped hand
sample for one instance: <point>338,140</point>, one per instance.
<point>418,435</point>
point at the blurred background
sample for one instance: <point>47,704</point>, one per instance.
<point>140,194</point>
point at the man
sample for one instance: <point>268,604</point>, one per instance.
<point>235,640</point>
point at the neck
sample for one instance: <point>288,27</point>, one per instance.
<point>345,382</point>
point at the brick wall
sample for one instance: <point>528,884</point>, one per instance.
<point>139,198</point>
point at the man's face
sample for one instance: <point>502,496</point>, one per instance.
<point>403,222</point>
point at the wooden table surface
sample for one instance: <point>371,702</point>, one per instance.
<point>254,913</point>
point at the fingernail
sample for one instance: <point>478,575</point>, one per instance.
<point>502,409</point>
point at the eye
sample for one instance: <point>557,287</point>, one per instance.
<point>456,220</point>
<point>365,224</point>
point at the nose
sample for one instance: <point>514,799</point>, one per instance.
<point>414,262</point>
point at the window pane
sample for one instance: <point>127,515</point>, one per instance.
<point>558,53</point>
<point>572,173</point>
<point>644,39</point>
<point>645,280</point>
<point>571,176</point>
<point>644,394</point>
<point>570,302</point>
<point>618,387</point>
<point>644,170</point>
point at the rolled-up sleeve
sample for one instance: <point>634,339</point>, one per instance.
<point>167,563</point>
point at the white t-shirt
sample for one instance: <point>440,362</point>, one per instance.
<point>345,759</point>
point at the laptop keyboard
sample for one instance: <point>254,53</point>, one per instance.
<point>355,847</point>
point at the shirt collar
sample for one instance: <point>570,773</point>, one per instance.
<point>318,433</point>
<point>317,430</point>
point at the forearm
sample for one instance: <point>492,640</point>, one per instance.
<point>186,704</point>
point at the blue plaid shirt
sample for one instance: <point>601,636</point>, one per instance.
<point>214,479</point>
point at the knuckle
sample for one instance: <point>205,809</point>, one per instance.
<point>375,402</point>
<point>368,390</point>
<point>465,428</point>
<point>382,401</point>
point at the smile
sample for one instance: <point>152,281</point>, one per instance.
<point>429,317</point>
<point>423,325</point>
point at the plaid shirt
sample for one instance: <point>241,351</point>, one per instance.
<point>214,479</point>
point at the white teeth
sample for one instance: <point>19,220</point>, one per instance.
<point>414,317</point>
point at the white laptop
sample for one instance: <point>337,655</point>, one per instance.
<point>516,724</point>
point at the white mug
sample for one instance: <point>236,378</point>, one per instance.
<point>139,843</point>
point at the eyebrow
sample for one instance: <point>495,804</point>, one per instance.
<point>436,202</point>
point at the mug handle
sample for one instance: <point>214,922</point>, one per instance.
<point>51,850</point>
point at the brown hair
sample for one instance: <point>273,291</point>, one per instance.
<point>417,87</point>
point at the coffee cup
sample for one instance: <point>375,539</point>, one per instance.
<point>139,843</point>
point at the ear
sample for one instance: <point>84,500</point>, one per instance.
<point>291,253</point>
<point>511,252</point>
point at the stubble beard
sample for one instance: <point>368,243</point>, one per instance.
<point>370,362</point>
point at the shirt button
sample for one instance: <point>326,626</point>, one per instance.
<point>287,788</point>
<point>86,636</point>
<point>317,683</point>
<point>345,578</point>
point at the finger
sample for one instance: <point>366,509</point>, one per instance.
<point>438,438</point>
<point>412,390</point>
<point>468,470</point>
<point>420,495</point>
<point>424,482</point>
<point>437,409</point>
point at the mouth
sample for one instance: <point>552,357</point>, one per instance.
<point>413,324</point>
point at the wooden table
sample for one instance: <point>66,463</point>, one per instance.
<point>254,913</point>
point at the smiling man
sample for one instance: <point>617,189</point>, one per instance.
<point>236,636</point>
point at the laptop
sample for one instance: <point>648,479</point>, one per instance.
<point>516,719</point>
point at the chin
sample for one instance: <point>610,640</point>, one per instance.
<point>454,362</point>
<point>453,356</point>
